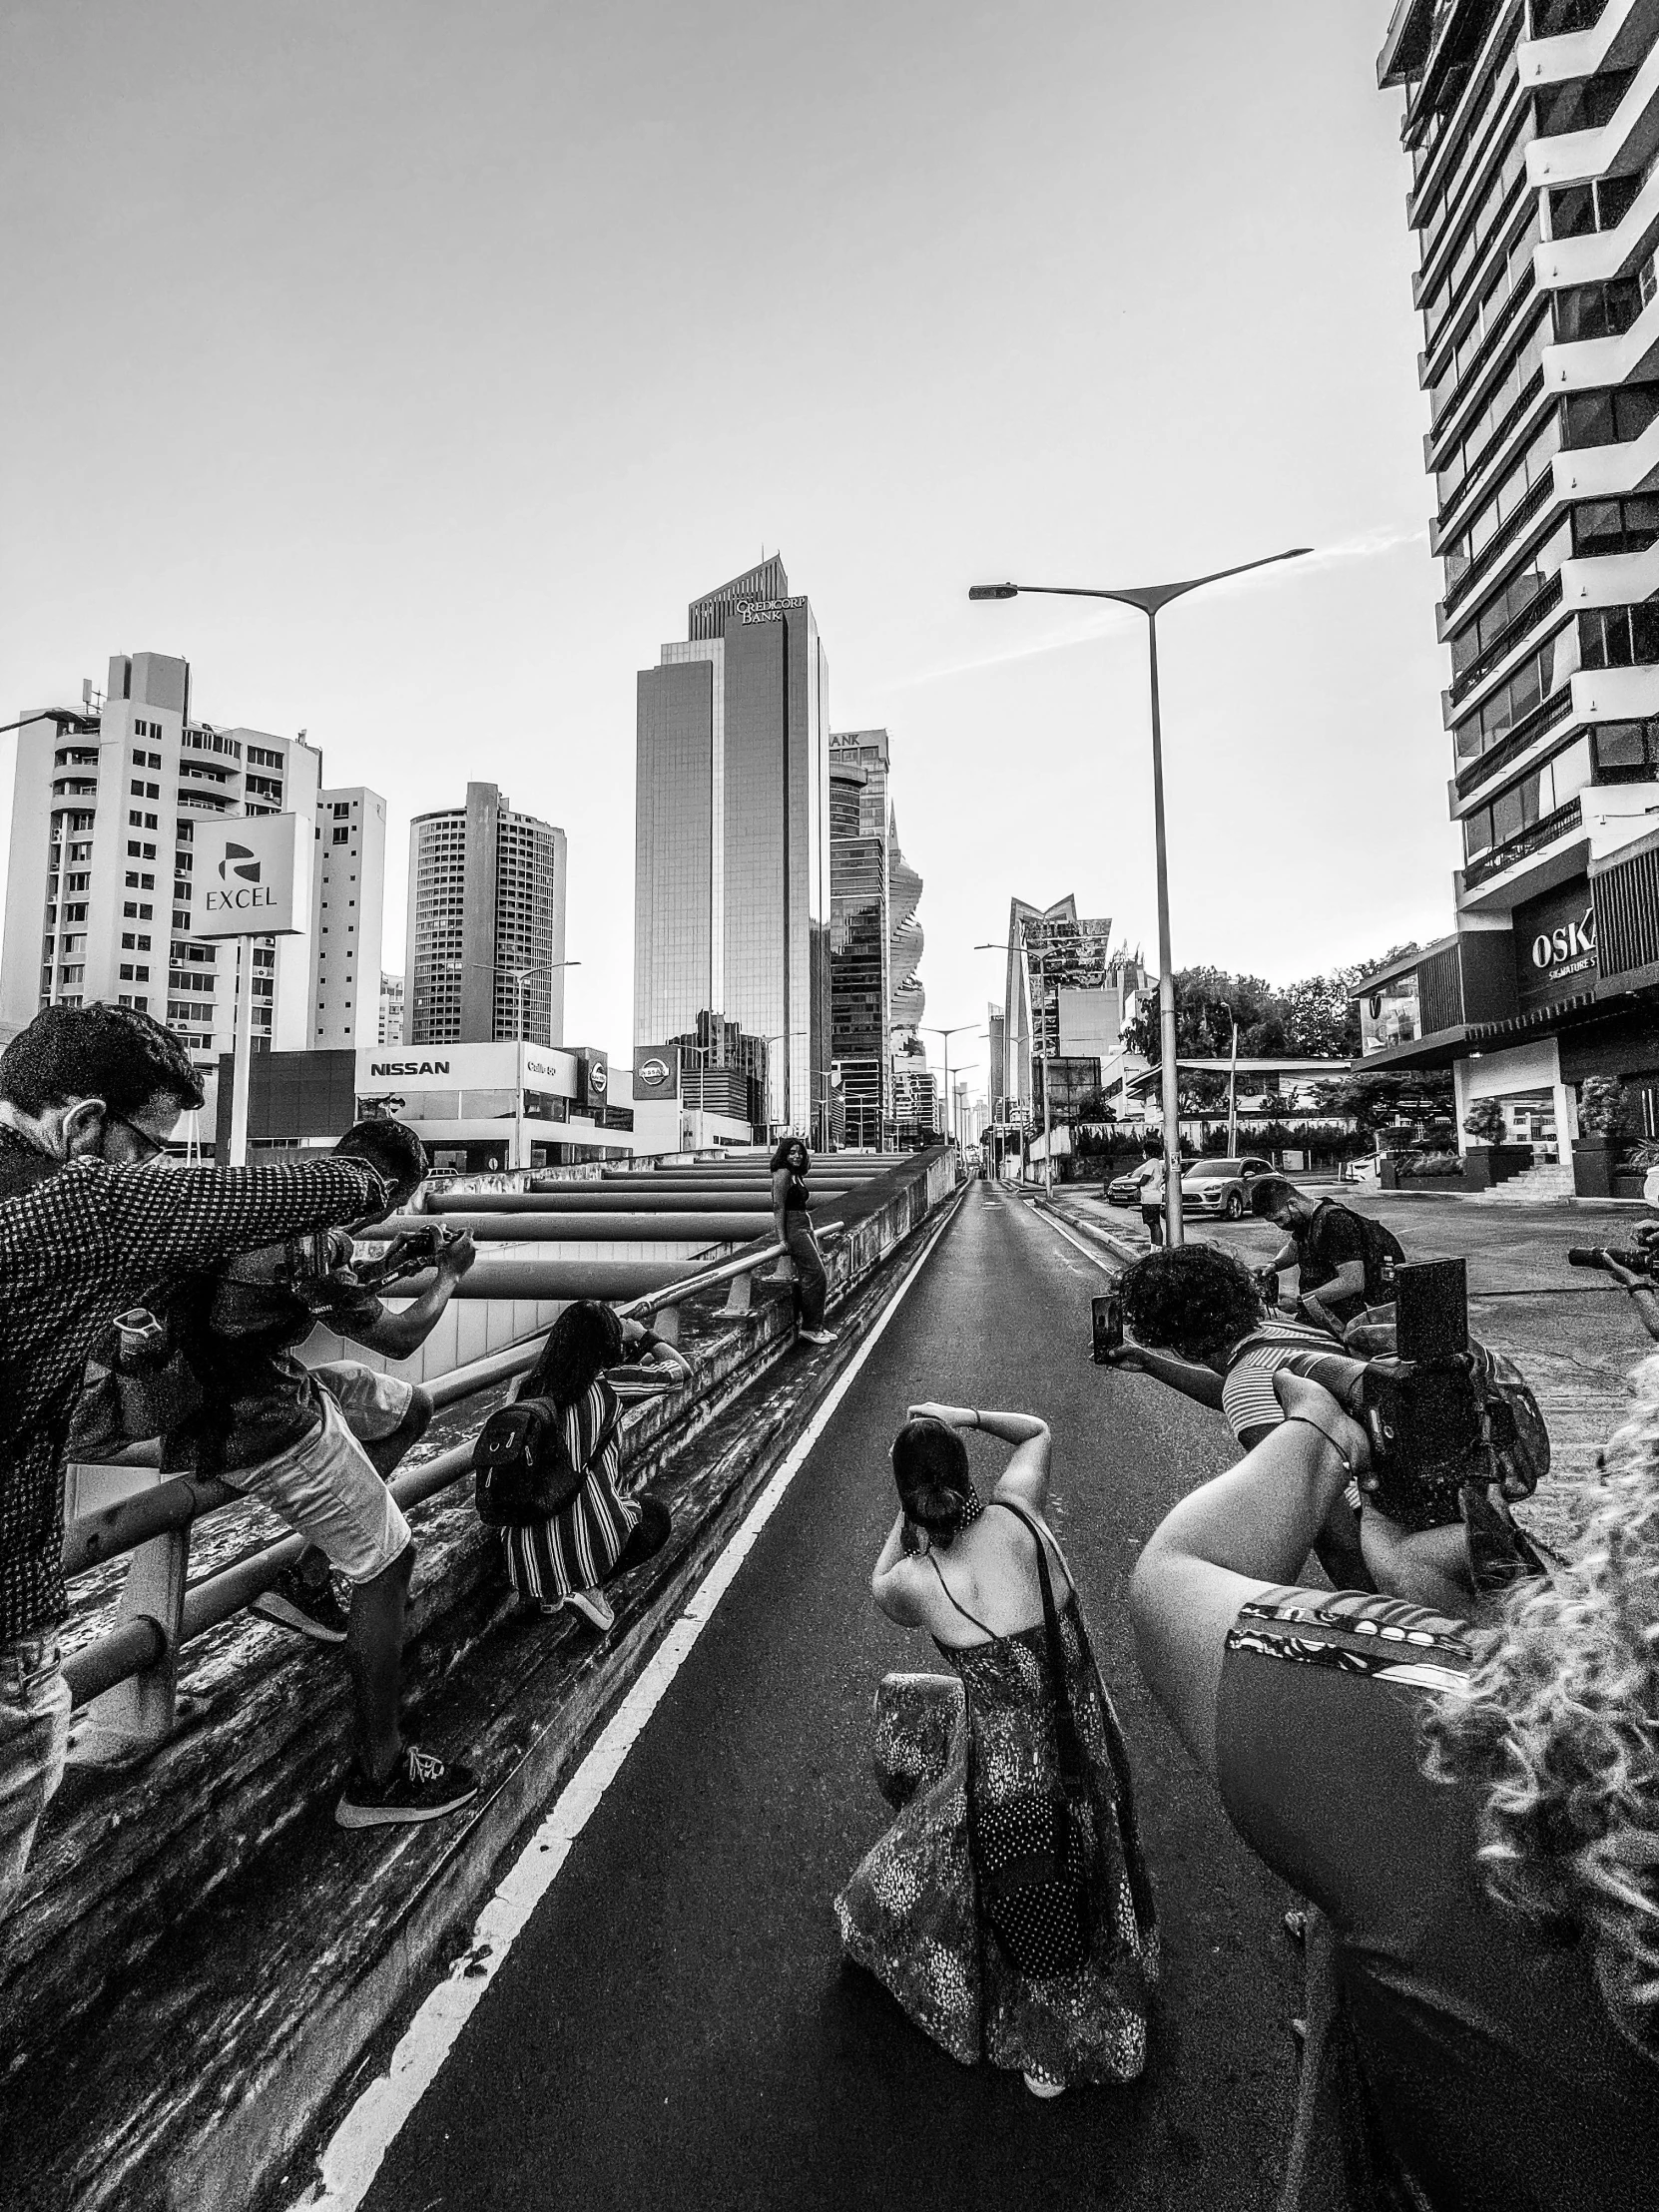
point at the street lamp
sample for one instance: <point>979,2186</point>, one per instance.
<point>934,1031</point>
<point>1021,946</point>
<point>1150,600</point>
<point>520,977</point>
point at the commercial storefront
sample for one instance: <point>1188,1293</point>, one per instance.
<point>1523,1008</point>
<point>477,1107</point>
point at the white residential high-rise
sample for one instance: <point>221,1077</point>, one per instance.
<point>485,941</point>
<point>97,892</point>
<point>348,881</point>
<point>391,1009</point>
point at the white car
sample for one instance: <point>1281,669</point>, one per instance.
<point>1221,1186</point>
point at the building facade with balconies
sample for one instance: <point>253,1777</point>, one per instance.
<point>484,947</point>
<point>99,886</point>
<point>1532,128</point>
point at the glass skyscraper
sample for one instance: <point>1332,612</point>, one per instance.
<point>859,933</point>
<point>732,865</point>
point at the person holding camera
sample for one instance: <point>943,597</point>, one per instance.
<point>1202,1327</point>
<point>1000,1943</point>
<point>89,1099</point>
<point>595,1365</point>
<point>1472,1808</point>
<point>316,1445</point>
<point>1341,1256</point>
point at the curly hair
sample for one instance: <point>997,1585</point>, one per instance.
<point>1195,1299</point>
<point>1559,1728</point>
<point>785,1145</point>
<point>115,1053</point>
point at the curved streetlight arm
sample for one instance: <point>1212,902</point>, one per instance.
<point>1149,598</point>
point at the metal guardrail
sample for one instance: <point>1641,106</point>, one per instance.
<point>128,1678</point>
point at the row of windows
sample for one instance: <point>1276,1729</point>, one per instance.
<point>1512,271</point>
<point>1525,372</point>
<point>1523,477</point>
<point>1536,797</point>
<point>1608,417</point>
<point>1530,683</point>
<point>1603,311</point>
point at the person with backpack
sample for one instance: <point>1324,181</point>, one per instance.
<point>578,1393</point>
<point>1342,1256</point>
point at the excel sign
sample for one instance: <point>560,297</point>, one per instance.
<point>251,876</point>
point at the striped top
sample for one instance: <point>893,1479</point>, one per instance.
<point>582,1542</point>
<point>1247,1395</point>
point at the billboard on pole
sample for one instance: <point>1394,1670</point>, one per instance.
<point>252,877</point>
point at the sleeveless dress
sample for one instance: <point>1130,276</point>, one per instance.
<point>909,1915</point>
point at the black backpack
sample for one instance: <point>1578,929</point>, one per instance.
<point>1382,1249</point>
<point>522,1468</point>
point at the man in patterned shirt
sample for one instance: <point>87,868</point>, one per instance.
<point>88,1224</point>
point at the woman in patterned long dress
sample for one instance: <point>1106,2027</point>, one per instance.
<point>967,1573</point>
<point>601,1531</point>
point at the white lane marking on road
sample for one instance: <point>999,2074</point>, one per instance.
<point>1102,1265</point>
<point>360,2144</point>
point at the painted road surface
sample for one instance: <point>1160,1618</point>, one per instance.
<point>673,2024</point>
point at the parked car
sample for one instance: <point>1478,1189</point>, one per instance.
<point>1221,1186</point>
<point>1125,1190</point>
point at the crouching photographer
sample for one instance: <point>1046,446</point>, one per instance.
<point>1474,1809</point>
<point>1455,1433</point>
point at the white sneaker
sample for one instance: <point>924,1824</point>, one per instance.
<point>1040,2086</point>
<point>594,1609</point>
<point>818,1336</point>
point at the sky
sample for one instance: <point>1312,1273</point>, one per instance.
<point>408,368</point>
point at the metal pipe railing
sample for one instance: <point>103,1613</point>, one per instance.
<point>130,1676</point>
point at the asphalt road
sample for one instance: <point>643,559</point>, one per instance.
<point>675,2025</point>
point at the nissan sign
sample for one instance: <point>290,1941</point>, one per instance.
<point>656,1070</point>
<point>593,1078</point>
<point>1556,945</point>
<point>251,876</point>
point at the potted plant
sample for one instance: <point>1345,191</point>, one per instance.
<point>1484,1122</point>
<point>1603,1117</point>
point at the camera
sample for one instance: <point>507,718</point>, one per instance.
<point>1602,1257</point>
<point>312,1266</point>
<point>1106,1316</point>
<point>1266,1281</point>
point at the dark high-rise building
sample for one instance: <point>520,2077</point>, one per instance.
<point>1532,131</point>
<point>486,925</point>
<point>861,934</point>
<point>731,863</point>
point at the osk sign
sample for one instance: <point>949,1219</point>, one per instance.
<point>250,877</point>
<point>1556,945</point>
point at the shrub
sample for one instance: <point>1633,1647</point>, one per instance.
<point>1603,1107</point>
<point>1419,1165</point>
<point>1485,1121</point>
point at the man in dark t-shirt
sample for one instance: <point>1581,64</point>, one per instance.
<point>1325,1241</point>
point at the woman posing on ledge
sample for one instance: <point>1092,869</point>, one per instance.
<point>790,1210</point>
<point>1051,1981</point>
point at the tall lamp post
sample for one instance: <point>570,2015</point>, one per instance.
<point>1150,600</point>
<point>520,977</point>
<point>934,1031</point>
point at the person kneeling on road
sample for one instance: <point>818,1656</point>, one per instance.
<point>1201,1327</point>
<point>315,1446</point>
<point>599,1532</point>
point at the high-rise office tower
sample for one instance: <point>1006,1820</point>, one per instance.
<point>104,807</point>
<point>861,932</point>
<point>486,924</point>
<point>348,886</point>
<point>1532,131</point>
<point>732,865</point>
<point>915,1091</point>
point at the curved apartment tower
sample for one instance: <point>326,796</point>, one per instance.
<point>1532,128</point>
<point>486,907</point>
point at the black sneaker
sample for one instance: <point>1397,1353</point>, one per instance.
<point>419,1788</point>
<point>309,1607</point>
